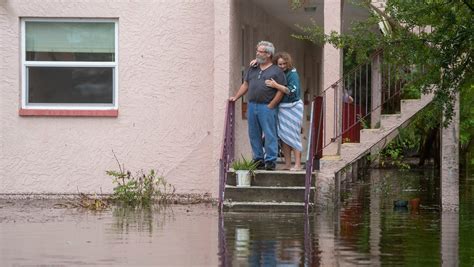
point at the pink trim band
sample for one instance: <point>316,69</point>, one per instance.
<point>68,113</point>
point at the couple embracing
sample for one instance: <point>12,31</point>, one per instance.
<point>274,108</point>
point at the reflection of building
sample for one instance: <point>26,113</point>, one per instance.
<point>146,79</point>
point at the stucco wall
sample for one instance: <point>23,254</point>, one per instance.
<point>167,101</point>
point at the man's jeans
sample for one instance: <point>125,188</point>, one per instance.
<point>261,119</point>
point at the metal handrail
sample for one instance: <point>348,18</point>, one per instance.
<point>353,70</point>
<point>227,155</point>
<point>314,147</point>
<point>386,78</point>
<point>309,162</point>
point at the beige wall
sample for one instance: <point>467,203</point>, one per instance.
<point>178,63</point>
<point>168,100</point>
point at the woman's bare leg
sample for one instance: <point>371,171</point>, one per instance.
<point>287,154</point>
<point>297,159</point>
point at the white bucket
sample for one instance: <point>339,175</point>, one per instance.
<point>243,178</point>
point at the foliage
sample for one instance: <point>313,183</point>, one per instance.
<point>467,117</point>
<point>410,92</point>
<point>244,164</point>
<point>140,189</point>
<point>364,123</point>
<point>92,203</point>
<point>412,138</point>
<point>437,35</point>
<point>393,155</point>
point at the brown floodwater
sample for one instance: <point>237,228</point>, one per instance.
<point>366,229</point>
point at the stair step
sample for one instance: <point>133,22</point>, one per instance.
<point>273,178</point>
<point>265,206</point>
<point>266,194</point>
<point>372,140</point>
<point>350,150</point>
<point>389,121</point>
<point>409,105</point>
<point>370,135</point>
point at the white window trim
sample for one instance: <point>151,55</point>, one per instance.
<point>67,106</point>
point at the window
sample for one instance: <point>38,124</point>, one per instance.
<point>69,66</point>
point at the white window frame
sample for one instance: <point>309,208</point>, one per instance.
<point>67,106</point>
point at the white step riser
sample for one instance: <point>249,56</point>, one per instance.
<point>369,136</point>
<point>388,122</point>
<point>409,106</point>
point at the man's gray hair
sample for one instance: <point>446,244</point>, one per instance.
<point>269,48</point>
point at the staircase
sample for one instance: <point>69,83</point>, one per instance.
<point>269,191</point>
<point>373,140</point>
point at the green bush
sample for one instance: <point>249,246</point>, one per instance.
<point>140,189</point>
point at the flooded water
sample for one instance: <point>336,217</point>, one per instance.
<point>367,229</point>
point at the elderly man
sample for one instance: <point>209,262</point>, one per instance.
<point>262,106</point>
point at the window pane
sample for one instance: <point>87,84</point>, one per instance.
<point>70,41</point>
<point>70,85</point>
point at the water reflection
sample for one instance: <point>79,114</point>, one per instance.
<point>144,219</point>
<point>366,229</point>
<point>265,239</point>
<point>390,217</point>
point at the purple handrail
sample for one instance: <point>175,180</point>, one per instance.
<point>313,145</point>
<point>227,155</point>
<point>309,162</point>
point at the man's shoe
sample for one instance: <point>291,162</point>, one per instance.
<point>270,166</point>
<point>260,164</point>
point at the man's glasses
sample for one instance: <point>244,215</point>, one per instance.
<point>261,51</point>
<point>259,74</point>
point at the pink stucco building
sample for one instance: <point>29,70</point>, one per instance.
<point>146,79</point>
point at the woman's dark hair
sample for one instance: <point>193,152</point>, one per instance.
<point>286,57</point>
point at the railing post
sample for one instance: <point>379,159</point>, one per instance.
<point>227,155</point>
<point>376,91</point>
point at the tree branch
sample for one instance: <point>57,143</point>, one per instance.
<point>468,5</point>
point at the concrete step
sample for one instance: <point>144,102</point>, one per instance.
<point>370,135</point>
<point>265,194</point>
<point>273,178</point>
<point>409,105</point>
<point>264,206</point>
<point>388,121</point>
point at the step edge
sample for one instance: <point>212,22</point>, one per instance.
<point>263,203</point>
<point>268,187</point>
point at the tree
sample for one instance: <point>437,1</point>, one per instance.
<point>437,35</point>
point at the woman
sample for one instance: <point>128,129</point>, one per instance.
<point>290,114</point>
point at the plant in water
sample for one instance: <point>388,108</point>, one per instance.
<point>92,203</point>
<point>140,189</point>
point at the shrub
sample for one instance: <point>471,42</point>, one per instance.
<point>140,189</point>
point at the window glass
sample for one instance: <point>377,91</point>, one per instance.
<point>69,64</point>
<point>70,85</point>
<point>70,41</point>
